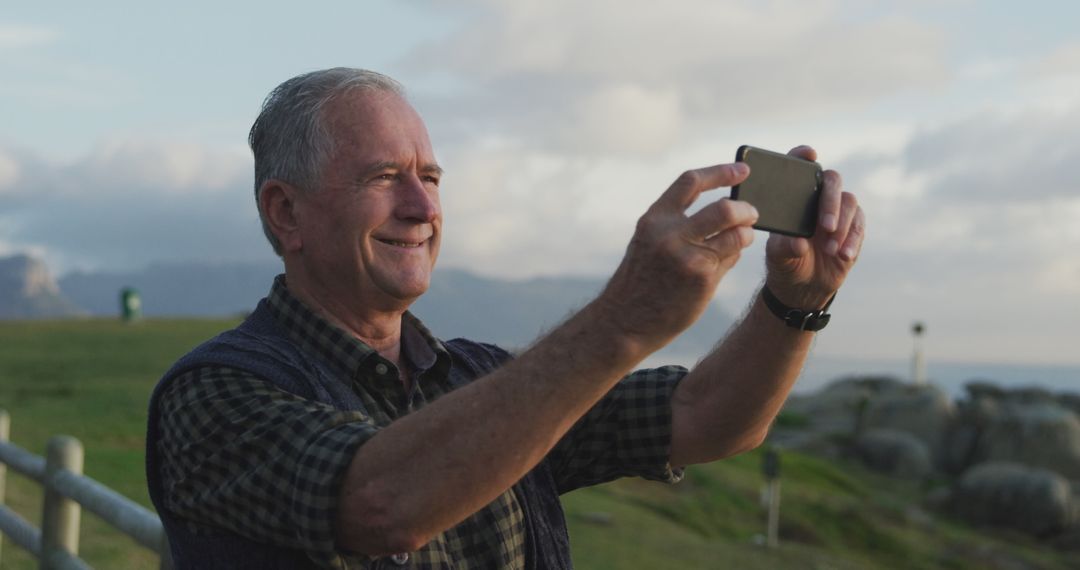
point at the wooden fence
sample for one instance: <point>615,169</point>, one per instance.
<point>56,544</point>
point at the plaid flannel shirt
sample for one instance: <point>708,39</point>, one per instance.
<point>239,454</point>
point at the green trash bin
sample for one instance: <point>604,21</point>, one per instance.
<point>130,305</point>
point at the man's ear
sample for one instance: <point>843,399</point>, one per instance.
<point>277,202</point>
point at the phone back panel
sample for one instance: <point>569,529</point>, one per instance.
<point>784,189</point>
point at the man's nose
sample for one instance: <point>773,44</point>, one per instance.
<point>418,201</point>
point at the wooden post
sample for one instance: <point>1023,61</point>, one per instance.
<point>773,537</point>
<point>60,515</point>
<point>771,468</point>
<point>5,433</point>
<point>918,359</point>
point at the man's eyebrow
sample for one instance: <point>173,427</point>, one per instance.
<point>430,168</point>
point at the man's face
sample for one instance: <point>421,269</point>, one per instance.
<point>371,229</point>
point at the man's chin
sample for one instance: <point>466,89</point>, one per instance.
<point>407,291</point>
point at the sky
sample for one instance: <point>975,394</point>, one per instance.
<point>956,123</point>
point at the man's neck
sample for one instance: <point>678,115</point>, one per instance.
<point>381,330</point>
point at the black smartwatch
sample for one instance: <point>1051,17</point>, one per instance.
<point>797,318</point>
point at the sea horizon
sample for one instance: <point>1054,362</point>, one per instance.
<point>950,376</point>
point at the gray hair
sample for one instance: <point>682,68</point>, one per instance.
<point>290,141</point>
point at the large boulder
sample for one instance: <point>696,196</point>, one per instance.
<point>925,412</point>
<point>1070,401</point>
<point>895,453</point>
<point>1036,501</point>
<point>1038,434</point>
<point>838,407</point>
<point>963,440</point>
<point>1028,425</point>
<point>853,406</point>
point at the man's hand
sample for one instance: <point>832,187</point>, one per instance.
<point>674,262</point>
<point>803,272</point>
<point>726,404</point>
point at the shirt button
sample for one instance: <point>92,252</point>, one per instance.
<point>381,369</point>
<point>401,558</point>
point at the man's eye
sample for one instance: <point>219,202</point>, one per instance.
<point>432,179</point>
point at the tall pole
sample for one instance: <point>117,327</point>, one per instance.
<point>918,360</point>
<point>5,427</point>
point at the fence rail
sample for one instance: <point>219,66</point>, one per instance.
<point>67,490</point>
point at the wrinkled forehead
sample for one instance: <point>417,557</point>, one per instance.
<point>370,113</point>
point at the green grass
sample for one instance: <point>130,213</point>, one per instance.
<point>92,378</point>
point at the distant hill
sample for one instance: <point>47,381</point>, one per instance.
<point>175,289</point>
<point>459,303</point>
<point>28,291</point>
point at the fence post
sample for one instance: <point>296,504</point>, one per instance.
<point>5,433</point>
<point>60,515</point>
<point>771,467</point>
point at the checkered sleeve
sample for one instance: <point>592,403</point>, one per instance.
<point>243,455</point>
<point>627,433</point>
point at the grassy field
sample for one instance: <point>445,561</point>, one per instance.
<point>92,378</point>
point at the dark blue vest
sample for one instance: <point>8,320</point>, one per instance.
<point>261,347</point>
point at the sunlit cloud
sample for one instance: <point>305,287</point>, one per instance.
<point>16,36</point>
<point>9,172</point>
<point>619,79</point>
<point>130,203</point>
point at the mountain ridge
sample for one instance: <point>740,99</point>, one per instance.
<point>28,290</point>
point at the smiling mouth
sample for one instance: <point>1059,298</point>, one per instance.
<point>405,244</point>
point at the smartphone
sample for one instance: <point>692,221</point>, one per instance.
<point>784,189</point>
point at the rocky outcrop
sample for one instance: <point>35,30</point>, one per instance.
<point>1013,452</point>
<point>1032,500</point>
<point>855,406</point>
<point>28,291</point>
<point>893,452</point>
<point>839,407</point>
<point>924,412</point>
<point>1029,426</point>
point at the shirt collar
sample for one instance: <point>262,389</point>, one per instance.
<point>420,349</point>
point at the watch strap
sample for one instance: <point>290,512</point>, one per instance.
<point>801,319</point>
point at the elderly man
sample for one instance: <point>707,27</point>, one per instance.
<point>332,430</point>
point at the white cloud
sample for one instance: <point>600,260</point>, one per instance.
<point>624,79</point>
<point>16,36</point>
<point>972,228</point>
<point>624,118</point>
<point>9,172</point>
<point>127,204</point>
<point>1059,276</point>
<point>1001,159</point>
<point>174,167</point>
<point>518,214</point>
<point>1064,60</point>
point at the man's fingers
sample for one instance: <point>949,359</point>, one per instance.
<point>782,247</point>
<point>829,204</point>
<point>853,243</point>
<point>692,183</point>
<point>804,152</point>
<point>719,217</point>
<point>732,240</point>
<point>849,206</point>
